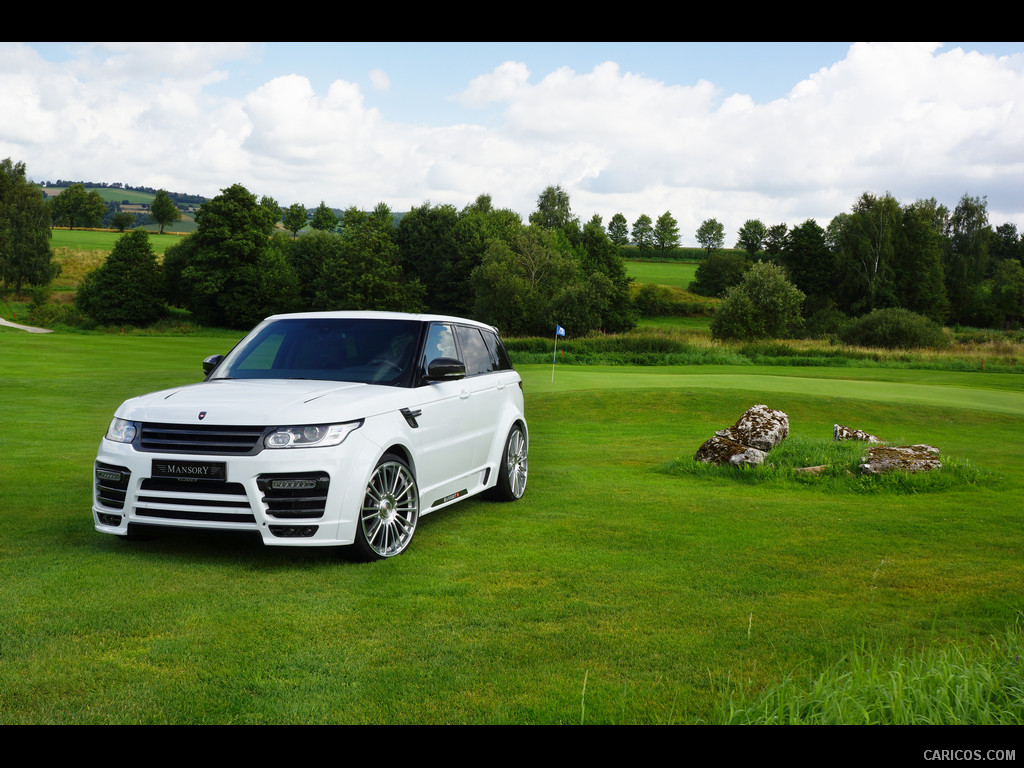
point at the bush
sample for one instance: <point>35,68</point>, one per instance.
<point>895,328</point>
<point>653,300</point>
<point>719,272</point>
<point>764,305</point>
<point>128,288</point>
<point>50,314</point>
<point>826,322</point>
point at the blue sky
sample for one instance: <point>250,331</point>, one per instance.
<point>776,131</point>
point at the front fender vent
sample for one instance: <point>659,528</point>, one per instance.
<point>295,495</point>
<point>111,484</point>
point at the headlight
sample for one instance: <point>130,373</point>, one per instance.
<point>311,436</point>
<point>121,431</point>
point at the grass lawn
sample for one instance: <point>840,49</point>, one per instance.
<point>103,240</point>
<point>677,273</point>
<point>613,592</point>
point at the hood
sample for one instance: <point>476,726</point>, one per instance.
<point>264,402</point>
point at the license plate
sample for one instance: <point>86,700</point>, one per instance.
<point>190,470</point>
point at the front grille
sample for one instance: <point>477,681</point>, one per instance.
<point>207,500</point>
<point>111,484</point>
<point>297,495</point>
<point>200,438</point>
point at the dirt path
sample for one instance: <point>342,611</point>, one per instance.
<point>28,328</point>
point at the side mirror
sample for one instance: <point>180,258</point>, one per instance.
<point>210,363</point>
<point>445,369</point>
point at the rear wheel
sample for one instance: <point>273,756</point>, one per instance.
<point>390,510</point>
<point>512,472</point>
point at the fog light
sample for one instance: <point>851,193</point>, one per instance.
<point>292,485</point>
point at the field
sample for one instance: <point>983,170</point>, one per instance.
<point>619,590</point>
<point>678,274</point>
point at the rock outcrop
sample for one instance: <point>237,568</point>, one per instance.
<point>904,458</point>
<point>722,450</point>
<point>746,442</point>
<point>839,432</point>
<point>759,427</point>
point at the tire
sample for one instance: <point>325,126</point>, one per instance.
<point>512,470</point>
<point>389,512</point>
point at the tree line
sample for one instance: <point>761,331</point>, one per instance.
<point>238,267</point>
<point>949,266</point>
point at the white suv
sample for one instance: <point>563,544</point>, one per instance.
<point>322,429</point>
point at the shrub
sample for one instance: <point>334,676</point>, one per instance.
<point>764,305</point>
<point>719,272</point>
<point>653,300</point>
<point>894,328</point>
<point>826,322</point>
<point>127,289</point>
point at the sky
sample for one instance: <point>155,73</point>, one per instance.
<point>780,132</point>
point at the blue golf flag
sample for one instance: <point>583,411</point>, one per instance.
<point>559,330</point>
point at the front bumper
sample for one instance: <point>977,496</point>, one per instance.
<point>291,497</point>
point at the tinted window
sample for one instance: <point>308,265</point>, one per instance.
<point>440,343</point>
<point>474,351</point>
<point>497,350</point>
<point>349,349</point>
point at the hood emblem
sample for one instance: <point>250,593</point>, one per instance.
<point>202,415</point>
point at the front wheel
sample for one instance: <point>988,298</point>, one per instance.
<point>512,471</point>
<point>390,510</point>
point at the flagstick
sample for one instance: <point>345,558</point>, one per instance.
<point>554,354</point>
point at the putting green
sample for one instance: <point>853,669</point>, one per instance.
<point>999,393</point>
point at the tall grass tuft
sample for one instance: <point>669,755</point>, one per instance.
<point>969,683</point>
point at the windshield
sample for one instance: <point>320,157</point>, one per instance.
<point>370,351</point>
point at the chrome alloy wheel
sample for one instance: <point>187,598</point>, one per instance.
<point>391,508</point>
<point>516,463</point>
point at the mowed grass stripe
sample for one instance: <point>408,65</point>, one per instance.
<point>947,390</point>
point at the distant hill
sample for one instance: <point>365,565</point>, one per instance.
<point>119,193</point>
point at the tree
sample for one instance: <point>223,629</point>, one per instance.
<point>666,233</point>
<point>606,295</point>
<point>1008,292</point>
<point>360,269</point>
<point>643,233</point>
<point>1005,244</point>
<point>519,282</point>
<point>764,305</point>
<point>482,204</point>
<point>920,284</point>
<point>711,235</point>
<point>967,257</point>
<point>295,218</point>
<point>553,211</point>
<point>429,250</point>
<point>74,204</point>
<point>163,210</point>
<point>127,289</point>
<point>618,230</point>
<point>775,241</point>
<point>25,254</point>
<point>864,243</point>
<point>122,220</point>
<point>807,258</point>
<point>235,274</point>
<point>323,218</point>
<point>717,273</point>
<point>751,237</point>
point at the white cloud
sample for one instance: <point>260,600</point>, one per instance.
<point>913,119</point>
